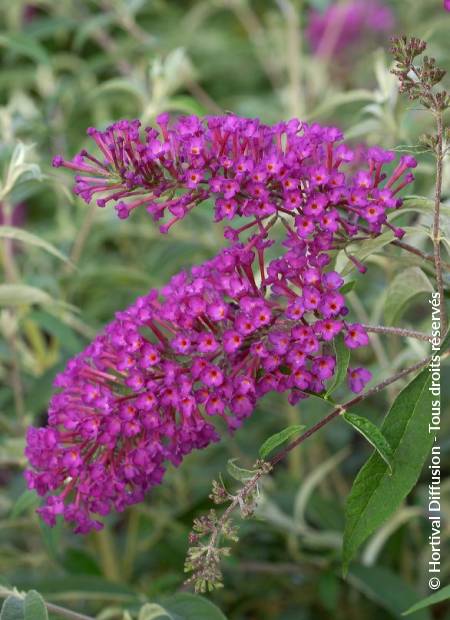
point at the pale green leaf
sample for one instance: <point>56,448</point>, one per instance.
<point>438,597</point>
<point>18,234</point>
<point>418,204</point>
<point>362,251</point>
<point>12,609</point>
<point>153,611</point>
<point>18,294</point>
<point>238,473</point>
<point>403,290</point>
<point>276,440</point>
<point>373,435</point>
<point>34,606</point>
<point>342,361</point>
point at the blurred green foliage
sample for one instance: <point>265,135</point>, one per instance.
<point>67,65</point>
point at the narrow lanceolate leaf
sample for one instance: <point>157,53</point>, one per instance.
<point>34,606</point>
<point>17,294</point>
<point>362,251</point>
<point>12,609</point>
<point>342,361</point>
<point>442,595</point>
<point>403,290</point>
<point>376,494</point>
<point>348,286</point>
<point>276,440</point>
<point>238,473</point>
<point>18,234</point>
<point>373,435</point>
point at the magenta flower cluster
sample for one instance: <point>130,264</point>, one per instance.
<point>344,24</point>
<point>217,339</point>
<point>249,170</point>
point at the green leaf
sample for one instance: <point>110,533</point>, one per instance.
<point>276,440</point>
<point>27,500</point>
<point>418,204</point>
<point>18,234</point>
<point>403,289</point>
<point>239,473</point>
<point>342,362</point>
<point>373,435</point>
<point>348,286</point>
<point>375,495</point>
<point>442,595</point>
<point>192,607</point>
<point>12,609</point>
<point>80,562</point>
<point>185,104</point>
<point>51,536</point>
<point>362,251</point>
<point>153,611</point>
<point>385,588</point>
<point>26,46</point>
<point>34,606</point>
<point>66,336</point>
<point>18,294</point>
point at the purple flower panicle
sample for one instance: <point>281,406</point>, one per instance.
<point>290,170</point>
<point>210,345</point>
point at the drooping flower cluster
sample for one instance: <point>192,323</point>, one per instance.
<point>216,339</point>
<point>344,24</point>
<point>250,170</point>
<point>143,392</point>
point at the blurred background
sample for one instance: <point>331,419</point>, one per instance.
<point>68,267</point>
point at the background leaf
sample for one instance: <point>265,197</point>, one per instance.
<point>403,290</point>
<point>385,588</point>
<point>18,234</point>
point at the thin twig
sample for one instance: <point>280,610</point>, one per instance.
<point>417,252</point>
<point>436,221</point>
<point>397,331</point>
<point>342,408</point>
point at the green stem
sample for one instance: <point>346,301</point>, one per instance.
<point>436,222</point>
